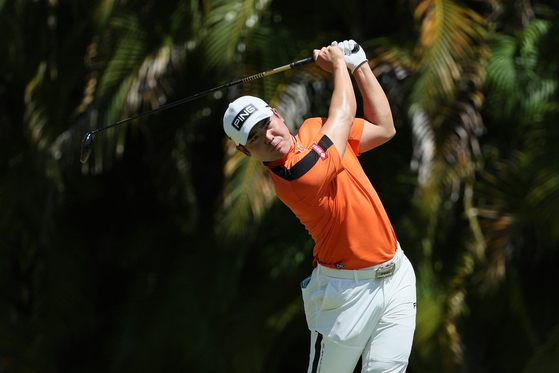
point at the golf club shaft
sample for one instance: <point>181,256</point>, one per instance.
<point>88,138</point>
<point>186,99</point>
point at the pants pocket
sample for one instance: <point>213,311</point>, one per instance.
<point>305,282</point>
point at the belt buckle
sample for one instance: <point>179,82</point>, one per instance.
<point>385,272</point>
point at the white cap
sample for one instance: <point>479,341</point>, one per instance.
<point>242,114</point>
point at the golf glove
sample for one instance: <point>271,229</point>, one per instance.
<point>352,59</point>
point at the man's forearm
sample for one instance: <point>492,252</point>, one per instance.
<point>376,107</point>
<point>343,107</point>
<point>343,103</point>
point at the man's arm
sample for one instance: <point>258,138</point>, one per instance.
<point>343,106</point>
<point>379,124</point>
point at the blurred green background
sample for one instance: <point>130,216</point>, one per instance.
<point>167,252</point>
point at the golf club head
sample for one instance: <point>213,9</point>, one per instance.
<point>86,147</point>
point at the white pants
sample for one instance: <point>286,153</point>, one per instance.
<point>368,318</point>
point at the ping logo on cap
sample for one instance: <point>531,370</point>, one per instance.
<point>243,115</point>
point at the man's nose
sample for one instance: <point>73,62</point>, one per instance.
<point>269,137</point>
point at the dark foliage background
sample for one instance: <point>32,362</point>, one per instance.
<point>168,252</point>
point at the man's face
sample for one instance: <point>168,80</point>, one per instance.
<point>270,139</point>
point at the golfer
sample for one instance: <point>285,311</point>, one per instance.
<point>360,300</point>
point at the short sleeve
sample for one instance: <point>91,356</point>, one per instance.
<point>355,135</point>
<point>311,173</point>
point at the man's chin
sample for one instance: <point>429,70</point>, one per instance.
<point>272,158</point>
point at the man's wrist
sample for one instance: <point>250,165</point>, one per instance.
<point>339,66</point>
<point>361,67</point>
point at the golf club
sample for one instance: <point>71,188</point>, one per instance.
<point>88,138</point>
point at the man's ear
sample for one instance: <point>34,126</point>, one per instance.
<point>277,114</point>
<point>244,150</point>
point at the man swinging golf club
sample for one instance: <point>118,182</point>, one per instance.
<point>360,299</point>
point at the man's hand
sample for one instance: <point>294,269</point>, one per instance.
<point>353,59</point>
<point>328,57</point>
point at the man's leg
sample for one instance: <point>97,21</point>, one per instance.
<point>342,315</point>
<point>390,345</point>
<point>330,357</point>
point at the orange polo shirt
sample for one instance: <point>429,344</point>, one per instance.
<point>334,199</point>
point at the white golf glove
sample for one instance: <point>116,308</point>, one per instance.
<point>352,59</point>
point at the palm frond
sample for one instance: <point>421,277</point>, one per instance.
<point>514,64</point>
<point>129,51</point>
<point>445,117</point>
<point>227,24</point>
<point>104,11</point>
<point>36,114</point>
<point>450,35</point>
<point>188,13</point>
<point>127,90</point>
<point>517,197</point>
<point>393,53</point>
<point>250,192</point>
<point>519,193</point>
